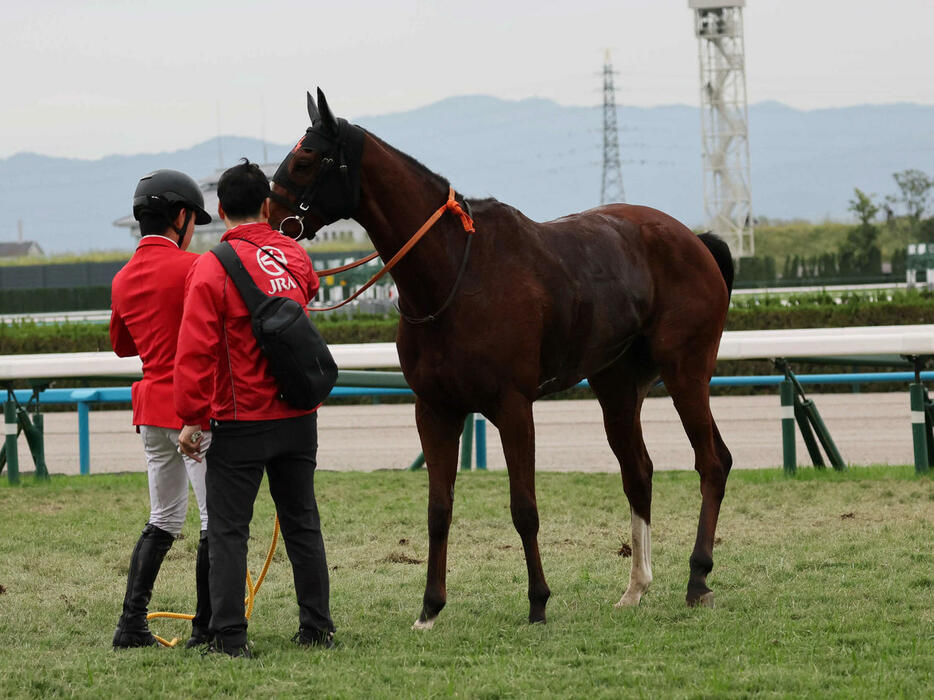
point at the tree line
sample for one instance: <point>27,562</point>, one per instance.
<point>904,215</point>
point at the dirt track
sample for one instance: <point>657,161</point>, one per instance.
<point>867,428</point>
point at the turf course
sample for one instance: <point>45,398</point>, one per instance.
<point>824,585</point>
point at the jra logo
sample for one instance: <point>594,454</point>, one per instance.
<point>271,261</point>
<point>280,284</point>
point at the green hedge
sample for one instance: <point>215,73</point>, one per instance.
<point>28,337</point>
<point>875,314</point>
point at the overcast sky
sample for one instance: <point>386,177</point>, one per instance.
<point>86,79</point>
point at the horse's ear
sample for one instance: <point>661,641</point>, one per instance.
<point>327,119</point>
<point>312,109</point>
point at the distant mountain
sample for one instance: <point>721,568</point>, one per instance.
<point>541,157</point>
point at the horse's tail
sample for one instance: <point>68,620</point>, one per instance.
<point>721,253</point>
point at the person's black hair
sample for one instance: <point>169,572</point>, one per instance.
<point>155,222</point>
<point>242,190</point>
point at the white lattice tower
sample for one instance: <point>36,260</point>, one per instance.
<point>718,25</point>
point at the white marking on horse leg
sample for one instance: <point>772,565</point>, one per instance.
<point>426,625</point>
<point>640,576</point>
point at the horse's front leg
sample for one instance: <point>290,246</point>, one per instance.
<point>517,432</point>
<point>440,433</point>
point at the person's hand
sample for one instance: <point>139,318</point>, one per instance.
<point>189,441</point>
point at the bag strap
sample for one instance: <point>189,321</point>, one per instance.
<point>252,295</point>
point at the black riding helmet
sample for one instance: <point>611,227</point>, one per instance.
<point>162,188</point>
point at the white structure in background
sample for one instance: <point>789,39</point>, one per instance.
<point>718,25</point>
<point>206,237</point>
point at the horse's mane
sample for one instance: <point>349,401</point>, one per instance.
<point>427,174</point>
<point>424,171</point>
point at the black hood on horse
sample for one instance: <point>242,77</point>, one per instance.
<point>335,190</point>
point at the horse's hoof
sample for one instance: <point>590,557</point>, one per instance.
<point>421,624</point>
<point>629,600</point>
<point>537,615</point>
<point>704,600</point>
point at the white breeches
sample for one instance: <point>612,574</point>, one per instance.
<point>169,475</point>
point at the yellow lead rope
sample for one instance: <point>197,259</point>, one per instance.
<point>248,601</point>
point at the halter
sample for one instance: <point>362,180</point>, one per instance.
<point>333,192</point>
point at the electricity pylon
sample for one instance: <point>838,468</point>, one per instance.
<point>612,188</point>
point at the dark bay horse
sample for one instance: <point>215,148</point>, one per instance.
<point>495,319</point>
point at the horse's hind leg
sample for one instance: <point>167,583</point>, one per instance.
<point>688,384</point>
<point>517,432</point>
<point>621,398</point>
<point>439,433</point>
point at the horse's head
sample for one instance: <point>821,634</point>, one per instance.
<point>319,180</point>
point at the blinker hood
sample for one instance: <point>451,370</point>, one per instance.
<point>334,191</point>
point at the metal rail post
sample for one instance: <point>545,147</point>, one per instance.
<point>34,438</point>
<point>807,433</point>
<point>789,458</point>
<point>12,430</point>
<point>919,428</point>
<point>920,421</point>
<point>929,427</point>
<point>481,442</point>
<point>467,444</point>
<point>805,411</point>
<point>826,441</point>
<point>84,443</point>
<point>418,463</point>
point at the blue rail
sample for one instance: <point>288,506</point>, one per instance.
<point>83,398</point>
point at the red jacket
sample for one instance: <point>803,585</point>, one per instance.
<point>220,371</point>
<point>146,311</point>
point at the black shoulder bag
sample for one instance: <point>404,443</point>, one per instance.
<point>298,357</point>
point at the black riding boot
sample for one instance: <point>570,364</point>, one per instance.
<point>202,619</point>
<point>150,550</point>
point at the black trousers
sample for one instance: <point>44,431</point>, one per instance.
<point>239,452</point>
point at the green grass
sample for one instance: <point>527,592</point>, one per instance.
<point>824,585</point>
<point>809,239</point>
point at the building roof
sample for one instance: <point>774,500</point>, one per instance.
<point>714,4</point>
<point>17,249</point>
<point>216,228</point>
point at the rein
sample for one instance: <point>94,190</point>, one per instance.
<point>348,266</point>
<point>334,193</point>
<point>451,205</point>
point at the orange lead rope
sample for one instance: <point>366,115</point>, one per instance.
<point>252,590</point>
<point>451,205</point>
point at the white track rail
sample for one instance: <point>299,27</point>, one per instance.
<point>735,345</point>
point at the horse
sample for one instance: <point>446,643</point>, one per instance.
<point>497,317</point>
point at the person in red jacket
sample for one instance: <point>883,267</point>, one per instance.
<point>146,311</point>
<point>222,375</point>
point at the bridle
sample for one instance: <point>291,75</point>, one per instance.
<point>333,192</point>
